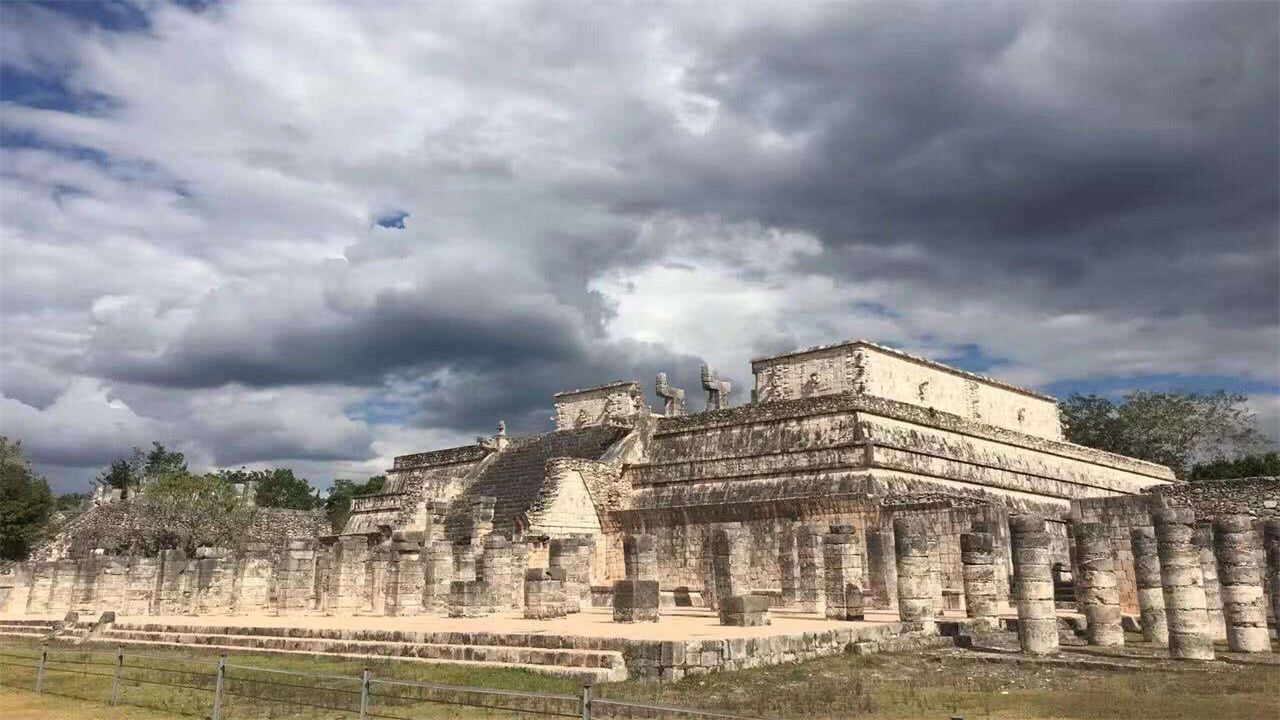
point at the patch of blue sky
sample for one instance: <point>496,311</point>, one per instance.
<point>393,219</point>
<point>113,15</point>
<point>970,357</point>
<point>48,91</point>
<point>1118,386</point>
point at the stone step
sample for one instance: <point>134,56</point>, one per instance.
<point>614,673</point>
<point>10,633</point>
<point>14,622</point>
<point>438,651</point>
<point>531,640</point>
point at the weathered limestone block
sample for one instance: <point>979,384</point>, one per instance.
<point>495,571</point>
<point>519,563</point>
<point>1189,635</point>
<point>405,578</point>
<point>935,574</point>
<point>253,596</point>
<point>174,582</point>
<point>350,573</point>
<point>640,557</point>
<point>140,590</point>
<point>730,561</point>
<point>744,611</point>
<point>544,596</point>
<point>469,598</point>
<point>62,594</point>
<point>1271,541</point>
<point>1037,620</point>
<point>1212,588</point>
<point>1146,571</point>
<point>1096,588</point>
<point>573,556</point>
<point>882,570</point>
<point>789,566</point>
<point>977,558</point>
<point>915,589</point>
<point>482,508</point>
<point>297,582</point>
<point>464,562</point>
<point>1241,584</point>
<point>811,594</point>
<point>438,573</point>
<point>635,601</point>
<point>842,570</point>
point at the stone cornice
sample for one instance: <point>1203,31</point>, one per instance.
<point>849,402</point>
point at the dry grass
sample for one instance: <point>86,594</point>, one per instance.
<point>878,687</point>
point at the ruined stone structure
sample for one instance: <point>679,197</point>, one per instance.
<point>856,436</point>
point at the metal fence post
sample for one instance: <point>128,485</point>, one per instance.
<point>44,658</point>
<point>115,681</point>
<point>364,693</point>
<point>586,700</point>
<point>217,687</point>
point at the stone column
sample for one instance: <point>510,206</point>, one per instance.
<point>1146,572</point>
<point>438,574</point>
<point>915,589</point>
<point>495,572</point>
<point>934,545</point>
<point>519,564</point>
<point>1271,541</point>
<point>640,557</point>
<point>810,595</point>
<point>464,561</point>
<point>977,558</point>
<point>882,572</point>
<point>842,571</point>
<point>567,554</point>
<point>789,565</point>
<point>1189,634</point>
<point>1096,588</point>
<point>730,561</point>
<point>1037,620</point>
<point>1212,588</point>
<point>1234,543</point>
<point>544,593</point>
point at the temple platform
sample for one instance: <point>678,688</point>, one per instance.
<point>687,641</point>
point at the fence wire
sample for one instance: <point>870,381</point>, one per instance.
<point>224,680</point>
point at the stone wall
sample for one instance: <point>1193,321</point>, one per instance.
<point>609,404</point>
<point>864,368</point>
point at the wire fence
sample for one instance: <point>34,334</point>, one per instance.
<point>364,696</point>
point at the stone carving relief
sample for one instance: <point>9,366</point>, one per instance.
<point>717,390</point>
<point>673,397</point>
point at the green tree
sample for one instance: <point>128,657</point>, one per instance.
<point>127,473</point>
<point>1255,465</point>
<point>1177,429</point>
<point>183,511</point>
<point>162,461</point>
<point>278,488</point>
<point>25,502</point>
<point>338,504</point>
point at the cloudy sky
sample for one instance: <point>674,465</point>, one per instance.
<point>320,235</point>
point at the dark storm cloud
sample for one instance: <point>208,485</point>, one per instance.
<point>1116,165</point>
<point>1053,141</point>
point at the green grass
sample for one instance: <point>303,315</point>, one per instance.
<point>877,687</point>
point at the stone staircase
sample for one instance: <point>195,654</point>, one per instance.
<point>600,661</point>
<point>27,630</point>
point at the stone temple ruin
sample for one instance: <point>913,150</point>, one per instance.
<point>858,483</point>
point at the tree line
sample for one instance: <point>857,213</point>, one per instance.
<point>168,505</point>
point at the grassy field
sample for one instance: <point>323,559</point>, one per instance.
<point>848,686</point>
